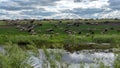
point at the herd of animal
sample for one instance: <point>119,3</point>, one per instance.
<point>30,26</point>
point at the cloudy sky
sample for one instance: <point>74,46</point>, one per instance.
<point>40,9</point>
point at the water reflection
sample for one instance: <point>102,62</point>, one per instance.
<point>2,50</point>
<point>74,60</point>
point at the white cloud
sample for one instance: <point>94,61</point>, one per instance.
<point>40,9</point>
<point>112,14</point>
<point>70,4</point>
<point>64,16</point>
<point>3,0</point>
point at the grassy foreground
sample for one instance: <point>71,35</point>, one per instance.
<point>16,57</point>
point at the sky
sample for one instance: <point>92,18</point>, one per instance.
<point>59,9</point>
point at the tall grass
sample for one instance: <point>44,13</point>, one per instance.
<point>117,61</point>
<point>13,57</point>
<point>62,41</point>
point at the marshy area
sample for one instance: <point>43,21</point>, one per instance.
<point>51,43</point>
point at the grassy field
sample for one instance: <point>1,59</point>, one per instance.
<point>65,33</point>
<point>71,35</point>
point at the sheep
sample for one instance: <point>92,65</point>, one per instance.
<point>104,31</point>
<point>55,25</point>
<point>68,31</point>
<point>111,28</point>
<point>32,21</point>
<point>92,32</point>
<point>39,24</point>
<point>87,34</point>
<point>79,32</point>
<point>60,21</point>
<point>118,30</point>
<point>50,30</point>
<point>33,32</point>
<point>76,24</point>
<point>18,26</point>
<point>30,30</point>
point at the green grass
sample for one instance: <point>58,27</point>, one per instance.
<point>59,38</point>
<point>17,42</point>
<point>11,31</point>
<point>72,42</point>
<point>97,29</point>
<point>14,57</point>
<point>2,23</point>
<point>83,28</point>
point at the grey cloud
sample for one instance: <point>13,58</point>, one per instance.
<point>9,6</point>
<point>83,0</point>
<point>114,4</point>
<point>13,8</point>
<point>37,13</point>
<point>35,2</point>
<point>2,14</point>
<point>87,13</point>
<point>28,9</point>
<point>25,4</point>
<point>80,11</point>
